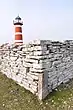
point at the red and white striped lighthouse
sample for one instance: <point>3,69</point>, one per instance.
<point>18,30</point>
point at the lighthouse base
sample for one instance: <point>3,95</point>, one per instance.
<point>18,42</point>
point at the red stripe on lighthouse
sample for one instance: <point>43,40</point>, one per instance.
<point>18,29</point>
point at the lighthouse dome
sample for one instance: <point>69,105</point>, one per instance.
<point>18,18</point>
<point>17,21</point>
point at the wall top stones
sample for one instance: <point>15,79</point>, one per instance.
<point>36,43</point>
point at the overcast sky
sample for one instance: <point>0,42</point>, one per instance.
<point>43,19</point>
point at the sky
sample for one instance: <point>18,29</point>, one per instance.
<point>42,19</point>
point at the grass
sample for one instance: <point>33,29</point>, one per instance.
<point>14,97</point>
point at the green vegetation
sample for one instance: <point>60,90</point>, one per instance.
<point>14,97</point>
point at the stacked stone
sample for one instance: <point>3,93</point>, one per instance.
<point>39,66</point>
<point>58,62</point>
<point>21,63</point>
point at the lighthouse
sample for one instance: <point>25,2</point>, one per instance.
<point>18,30</point>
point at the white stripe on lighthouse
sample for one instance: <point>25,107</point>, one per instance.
<point>18,33</point>
<point>18,40</point>
<point>18,26</point>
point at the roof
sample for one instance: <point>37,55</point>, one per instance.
<point>18,18</point>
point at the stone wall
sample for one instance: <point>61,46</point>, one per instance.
<point>58,62</point>
<point>39,66</point>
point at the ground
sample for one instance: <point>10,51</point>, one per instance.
<point>14,97</point>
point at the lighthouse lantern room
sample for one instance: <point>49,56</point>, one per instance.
<point>18,30</point>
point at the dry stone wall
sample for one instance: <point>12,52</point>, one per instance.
<point>58,62</point>
<point>39,66</point>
